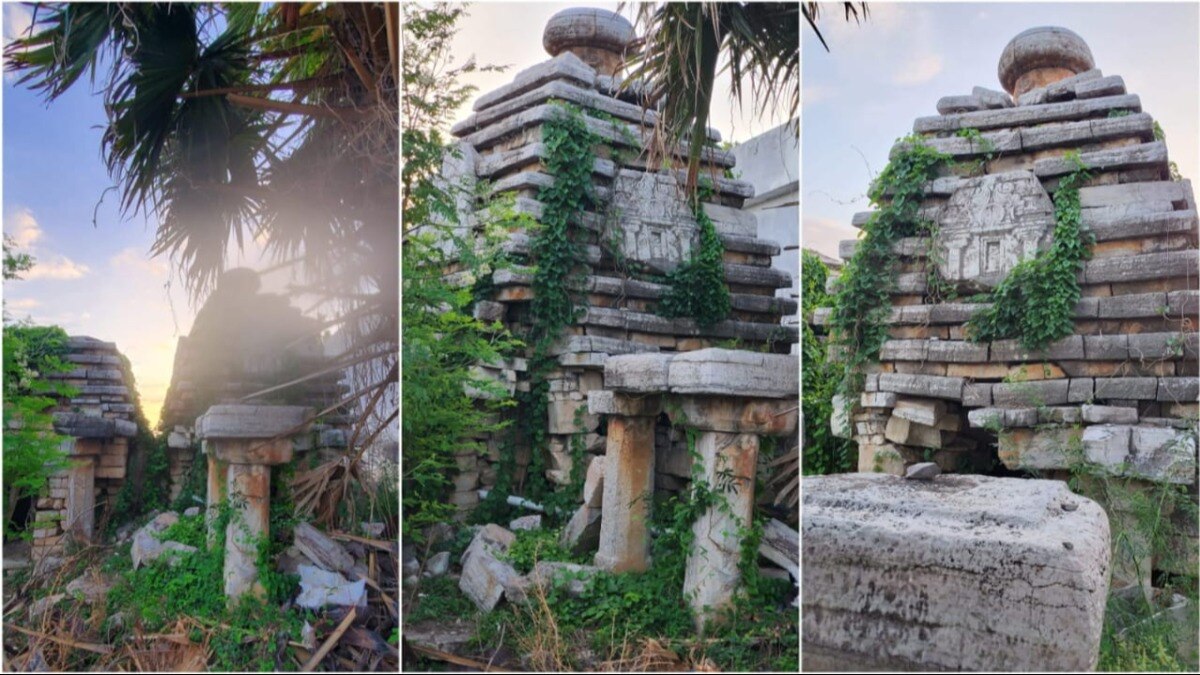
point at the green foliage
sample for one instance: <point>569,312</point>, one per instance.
<point>697,287</point>
<point>15,262</point>
<point>824,453</point>
<point>861,307</point>
<point>1035,301</point>
<point>442,340</point>
<point>31,447</point>
<point>540,544</point>
<point>1137,638</point>
<point>438,599</point>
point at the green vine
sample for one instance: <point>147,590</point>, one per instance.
<point>697,287</point>
<point>1035,301</point>
<point>859,320</point>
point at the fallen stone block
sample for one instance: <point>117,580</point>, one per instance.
<point>904,432</point>
<point>582,531</point>
<point>781,545</point>
<point>320,588</point>
<point>319,548</point>
<point>955,573</point>
<point>438,564</point>
<point>485,577</point>
<point>530,522</point>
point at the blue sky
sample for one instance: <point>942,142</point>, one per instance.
<point>881,75</point>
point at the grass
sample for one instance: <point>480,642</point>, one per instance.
<point>1149,643</point>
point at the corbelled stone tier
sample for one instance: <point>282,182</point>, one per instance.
<point>99,421</point>
<point>1120,393</point>
<point>645,230</point>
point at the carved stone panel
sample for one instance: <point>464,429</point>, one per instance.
<point>652,223</point>
<point>990,224</point>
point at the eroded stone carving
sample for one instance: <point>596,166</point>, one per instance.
<point>990,224</point>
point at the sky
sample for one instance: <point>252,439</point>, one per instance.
<point>878,77</point>
<point>507,33</point>
<point>91,278</point>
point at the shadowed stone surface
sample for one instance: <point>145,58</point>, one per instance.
<point>954,573</point>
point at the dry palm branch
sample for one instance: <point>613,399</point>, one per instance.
<point>236,122</point>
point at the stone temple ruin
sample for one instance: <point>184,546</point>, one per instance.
<point>223,360</point>
<point>1118,396</point>
<point>620,361</point>
<point>100,422</point>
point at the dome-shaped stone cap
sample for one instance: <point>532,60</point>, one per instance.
<point>587,27</point>
<point>1043,47</point>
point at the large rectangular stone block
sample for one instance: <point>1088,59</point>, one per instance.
<point>894,580</point>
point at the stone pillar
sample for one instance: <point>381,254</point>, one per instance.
<point>243,442</point>
<point>730,428</point>
<point>712,575</point>
<point>628,480</point>
<point>79,521</point>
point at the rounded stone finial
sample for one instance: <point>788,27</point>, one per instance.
<point>597,36</point>
<point>1040,56</point>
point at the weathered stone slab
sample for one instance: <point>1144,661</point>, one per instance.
<point>484,575</point>
<point>1054,448</point>
<point>628,484</point>
<point>321,550</point>
<point>878,400</point>
<point>1126,388</point>
<point>928,413</point>
<point>1151,346</point>
<point>781,545</point>
<point>252,421</point>
<point>1058,134</point>
<point>1162,265</point>
<point>992,98</point>
<point>735,372</point>
<point>930,386</point>
<point>1106,347</point>
<point>947,105</point>
<point>1026,394</point>
<point>1105,414</point>
<point>991,418</point>
<point>564,66</point>
<point>1183,303</point>
<point>1027,115</point>
<point>1061,90</point>
<point>977,394</point>
<point>1113,85</point>
<point>1122,158</point>
<point>1068,348</point>
<point>1106,444</point>
<point>894,581</point>
<point>1178,389</point>
<point>1098,196</point>
<point>904,432</point>
<point>637,372</point>
<point>604,402</point>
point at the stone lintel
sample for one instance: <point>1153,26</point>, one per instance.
<point>252,421</point>
<point>729,414</point>
<point>266,452</point>
<point>736,373</point>
<point>603,402</point>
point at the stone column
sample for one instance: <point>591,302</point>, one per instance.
<point>628,480</point>
<point>243,442</point>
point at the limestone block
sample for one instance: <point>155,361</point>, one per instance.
<point>1126,388</point>
<point>1004,418</point>
<point>582,532</point>
<point>928,413</point>
<point>781,545</point>
<point>603,402</point>
<point>894,581</point>
<point>1080,390</point>
<point>1163,455</point>
<point>1178,389</point>
<point>736,373</point>
<point>637,372</point>
<point>1103,414</point>
<point>268,452</point>
<point>561,414</point>
<point>484,575</point>
<point>1106,444</point>
<point>252,421</point>
<point>320,588</point>
<point>878,400</point>
<point>1071,347</point>
<point>904,432</point>
<point>1054,448</point>
<point>992,98</point>
<point>930,386</point>
<point>1027,115</point>
<point>958,104</point>
<point>593,483</point>
<point>1037,393</point>
<point>977,394</point>
<point>1144,267</point>
<point>323,551</point>
<point>765,417</point>
<point>1113,85</point>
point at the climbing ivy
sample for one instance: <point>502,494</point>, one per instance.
<point>697,287</point>
<point>860,311</point>
<point>824,453</point>
<point>1035,301</point>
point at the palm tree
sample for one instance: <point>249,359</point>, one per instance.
<point>688,44</point>
<point>278,123</point>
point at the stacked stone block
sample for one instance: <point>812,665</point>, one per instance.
<point>646,229</point>
<point>1121,392</point>
<point>98,422</point>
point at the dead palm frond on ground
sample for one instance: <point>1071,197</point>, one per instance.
<point>240,123</point>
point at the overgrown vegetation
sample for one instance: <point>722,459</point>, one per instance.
<point>697,286</point>
<point>1035,300</point>
<point>824,453</point>
<point>858,325</point>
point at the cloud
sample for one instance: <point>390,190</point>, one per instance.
<point>28,235</point>
<point>919,70</point>
<point>823,234</point>
<point>23,303</point>
<point>55,266</point>
<point>817,93</point>
<point>24,229</point>
<point>131,260</point>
